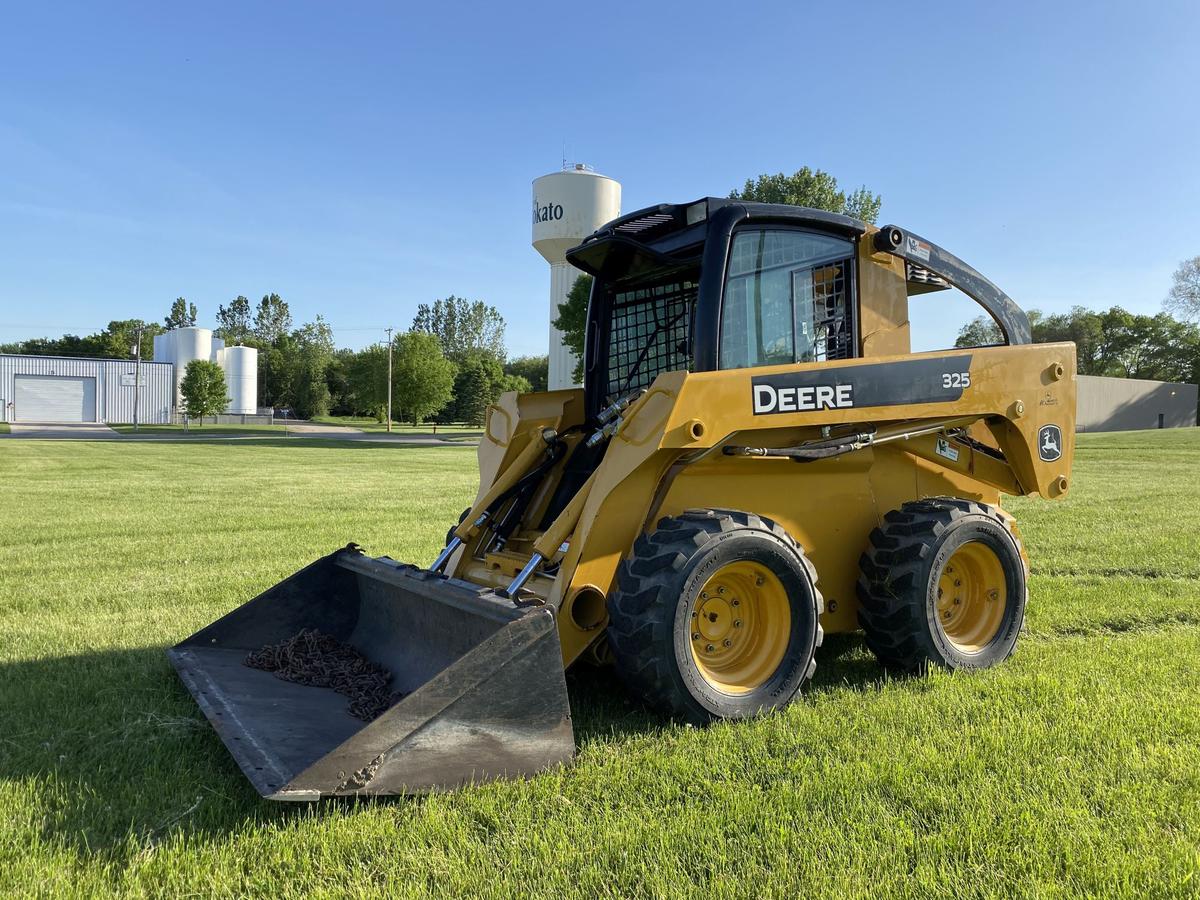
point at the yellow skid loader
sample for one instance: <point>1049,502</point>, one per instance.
<point>756,458</point>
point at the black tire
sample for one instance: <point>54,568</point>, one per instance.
<point>651,612</point>
<point>898,589</point>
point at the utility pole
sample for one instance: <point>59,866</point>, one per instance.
<point>389,414</point>
<point>137,373</point>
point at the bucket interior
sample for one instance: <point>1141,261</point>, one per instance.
<point>416,625</point>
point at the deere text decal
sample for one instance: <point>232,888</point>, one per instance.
<point>938,379</point>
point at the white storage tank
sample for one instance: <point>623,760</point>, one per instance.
<point>182,345</point>
<point>241,378</point>
<point>567,207</point>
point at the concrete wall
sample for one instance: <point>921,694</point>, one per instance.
<point>114,398</point>
<point>1129,404</point>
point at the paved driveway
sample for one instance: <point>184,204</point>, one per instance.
<point>57,432</point>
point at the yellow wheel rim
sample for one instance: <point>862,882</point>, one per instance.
<point>740,627</point>
<point>971,597</point>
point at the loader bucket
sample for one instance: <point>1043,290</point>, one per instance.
<point>485,693</point>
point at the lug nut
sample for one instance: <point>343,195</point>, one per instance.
<point>720,590</point>
<point>737,602</point>
<point>727,642</point>
<point>737,623</point>
<point>695,635</point>
<point>760,581</point>
<point>710,648</point>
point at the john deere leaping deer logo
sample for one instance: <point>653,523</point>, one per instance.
<point>1050,443</point>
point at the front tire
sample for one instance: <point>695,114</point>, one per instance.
<point>716,615</point>
<point>942,583</point>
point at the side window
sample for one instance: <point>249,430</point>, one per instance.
<point>787,299</point>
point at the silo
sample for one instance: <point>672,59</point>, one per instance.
<point>567,207</point>
<point>182,345</point>
<point>241,379</point>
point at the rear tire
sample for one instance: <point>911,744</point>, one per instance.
<point>716,615</point>
<point>942,583</point>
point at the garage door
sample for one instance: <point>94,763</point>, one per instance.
<point>54,398</point>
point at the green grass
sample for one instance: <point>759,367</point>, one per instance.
<point>200,429</point>
<point>365,423</point>
<point>1072,769</point>
<point>4,429</point>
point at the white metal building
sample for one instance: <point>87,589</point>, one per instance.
<point>1128,404</point>
<point>75,389</point>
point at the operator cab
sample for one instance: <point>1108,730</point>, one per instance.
<point>728,284</point>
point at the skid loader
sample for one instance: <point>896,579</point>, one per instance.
<point>755,459</point>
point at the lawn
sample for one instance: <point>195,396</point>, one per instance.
<point>200,430</point>
<point>366,423</point>
<point>1072,769</point>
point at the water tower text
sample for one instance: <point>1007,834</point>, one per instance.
<point>549,213</point>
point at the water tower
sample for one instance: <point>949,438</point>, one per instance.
<point>567,207</point>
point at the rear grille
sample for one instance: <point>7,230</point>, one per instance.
<point>649,335</point>
<point>920,275</point>
<point>644,223</point>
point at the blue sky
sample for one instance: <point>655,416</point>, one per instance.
<point>361,158</point>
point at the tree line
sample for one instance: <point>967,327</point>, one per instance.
<point>449,365</point>
<point>1112,342</point>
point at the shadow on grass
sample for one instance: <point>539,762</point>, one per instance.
<point>602,709</point>
<point>114,754</point>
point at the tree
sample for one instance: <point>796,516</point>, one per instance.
<point>476,384</point>
<point>572,321</point>
<point>813,188</point>
<point>341,387</point>
<point>307,388</point>
<point>114,342</point>
<point>182,314</point>
<point>1114,342</point>
<point>118,340</point>
<point>1184,297</point>
<point>272,319</point>
<point>462,326</point>
<point>203,389</point>
<point>982,331</point>
<point>518,383</point>
<point>479,381</point>
<point>234,324</point>
<point>273,373</point>
<point>534,369</point>
<point>366,371</point>
<point>1158,348</point>
<point>422,377</point>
